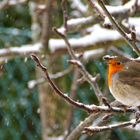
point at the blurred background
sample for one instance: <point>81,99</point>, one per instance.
<point>29,110</point>
<point>19,118</point>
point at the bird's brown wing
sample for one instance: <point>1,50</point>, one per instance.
<point>130,78</point>
<point>133,67</point>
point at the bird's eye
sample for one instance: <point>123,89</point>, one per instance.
<point>118,63</point>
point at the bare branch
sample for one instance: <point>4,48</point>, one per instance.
<point>77,131</point>
<point>95,6</point>
<point>33,83</point>
<point>96,129</point>
<point>71,52</point>
<point>60,93</point>
<point>89,108</point>
<point>91,80</point>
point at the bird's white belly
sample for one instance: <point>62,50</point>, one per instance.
<point>126,94</point>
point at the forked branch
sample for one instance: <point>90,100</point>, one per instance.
<point>88,108</point>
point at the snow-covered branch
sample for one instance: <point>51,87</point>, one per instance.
<point>98,38</point>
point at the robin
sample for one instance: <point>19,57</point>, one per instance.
<point>124,79</point>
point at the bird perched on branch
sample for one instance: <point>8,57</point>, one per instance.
<point>124,79</point>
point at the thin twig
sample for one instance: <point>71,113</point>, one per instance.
<point>79,128</point>
<point>71,52</point>
<point>96,129</point>
<point>91,80</point>
<point>96,7</point>
<point>33,83</point>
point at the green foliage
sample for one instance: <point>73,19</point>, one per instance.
<point>19,117</point>
<point>18,106</point>
<point>15,26</point>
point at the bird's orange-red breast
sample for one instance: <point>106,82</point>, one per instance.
<point>124,80</point>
